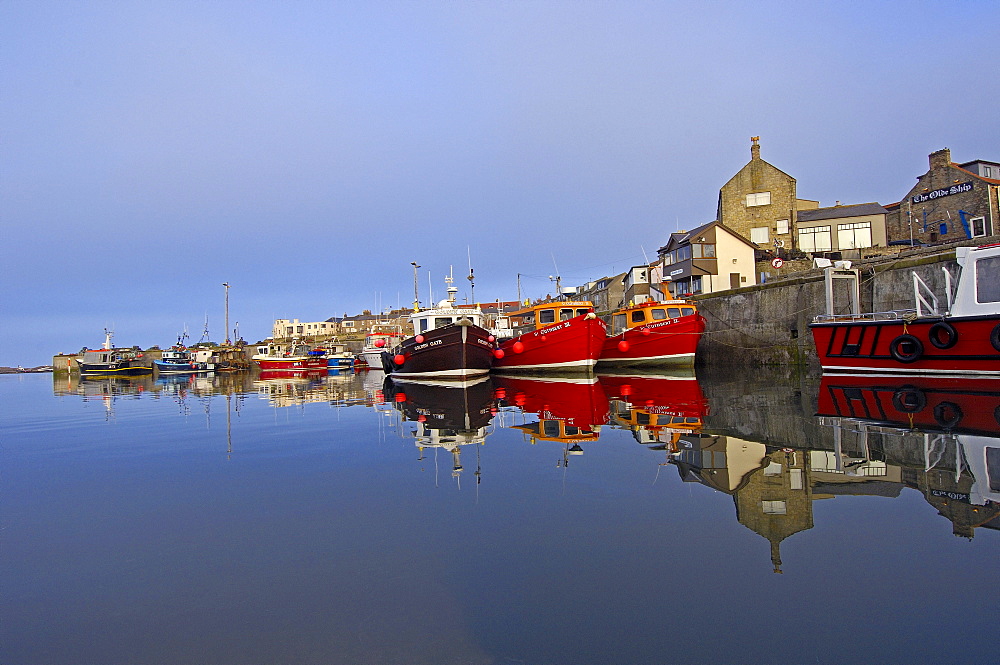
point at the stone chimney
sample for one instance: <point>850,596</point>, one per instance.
<point>754,147</point>
<point>940,159</point>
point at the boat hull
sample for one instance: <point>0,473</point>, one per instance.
<point>929,345</point>
<point>95,369</point>
<point>669,343</point>
<point>578,402</point>
<point>573,345</point>
<point>453,352</point>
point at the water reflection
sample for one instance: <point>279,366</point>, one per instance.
<point>774,443</point>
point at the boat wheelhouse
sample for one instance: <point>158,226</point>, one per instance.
<point>962,337</point>
<point>653,334</point>
<point>562,336</point>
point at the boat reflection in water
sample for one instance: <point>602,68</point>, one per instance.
<point>570,410</point>
<point>446,415</point>
<point>952,425</point>
<point>656,407</point>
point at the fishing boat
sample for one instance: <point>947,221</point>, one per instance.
<point>656,407</point>
<point>381,337</point>
<point>176,360</point>
<point>450,344</point>
<point>653,334</point>
<point>962,337</point>
<point>292,356</point>
<point>338,357</point>
<point>110,361</point>
<point>562,336</point>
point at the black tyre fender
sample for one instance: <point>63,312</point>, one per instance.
<point>897,348</point>
<point>942,335</point>
<point>948,414</point>
<point>909,399</point>
<point>995,337</point>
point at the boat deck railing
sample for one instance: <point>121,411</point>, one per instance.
<point>893,315</point>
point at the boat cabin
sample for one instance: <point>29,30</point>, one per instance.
<point>443,315</point>
<point>650,311</point>
<point>537,316</point>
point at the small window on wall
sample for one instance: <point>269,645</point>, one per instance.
<point>782,226</point>
<point>978,226</point>
<point>759,235</point>
<point>759,199</point>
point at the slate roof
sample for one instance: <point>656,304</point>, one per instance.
<point>836,212</point>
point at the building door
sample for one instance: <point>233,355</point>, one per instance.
<point>734,280</point>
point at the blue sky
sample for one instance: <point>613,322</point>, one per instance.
<point>307,152</point>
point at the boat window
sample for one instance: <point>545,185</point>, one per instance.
<point>619,322</point>
<point>988,279</point>
<point>572,431</point>
<point>565,314</point>
<point>659,314</point>
<point>550,427</point>
<point>674,312</point>
<point>547,316</point>
<point>638,316</point>
<point>687,311</point>
<point>582,311</point>
<point>424,324</point>
<point>442,321</point>
<point>642,418</point>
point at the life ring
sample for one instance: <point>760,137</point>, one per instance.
<point>948,414</point>
<point>995,337</point>
<point>909,399</point>
<point>943,335</point>
<point>904,355</point>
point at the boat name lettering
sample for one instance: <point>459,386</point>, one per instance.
<point>960,188</point>
<point>954,496</point>
<point>662,323</point>
<point>420,347</point>
<point>482,341</point>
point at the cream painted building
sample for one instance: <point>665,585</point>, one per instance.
<point>707,259</point>
<point>841,228</point>
<point>292,328</point>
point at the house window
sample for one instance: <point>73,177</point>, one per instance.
<point>978,225</point>
<point>773,507</point>
<point>855,235</point>
<point>759,235</point>
<point>759,199</point>
<point>987,171</point>
<point>782,226</point>
<point>696,284</point>
<point>348,324</point>
<point>815,239</point>
<point>703,251</point>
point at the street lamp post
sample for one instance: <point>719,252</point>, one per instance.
<point>226,284</point>
<point>416,298</point>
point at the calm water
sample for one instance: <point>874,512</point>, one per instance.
<point>752,519</point>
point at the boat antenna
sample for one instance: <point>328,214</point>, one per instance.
<point>108,335</point>
<point>416,298</point>
<point>472,277</point>
<point>451,289</point>
<point>556,278</point>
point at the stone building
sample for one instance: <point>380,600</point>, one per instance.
<point>949,202</point>
<point>760,203</point>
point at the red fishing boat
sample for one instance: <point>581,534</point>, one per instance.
<point>564,336</point>
<point>566,406</point>
<point>964,338</point>
<point>293,356</point>
<point>653,334</point>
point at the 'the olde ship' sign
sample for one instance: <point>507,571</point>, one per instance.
<point>944,191</point>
